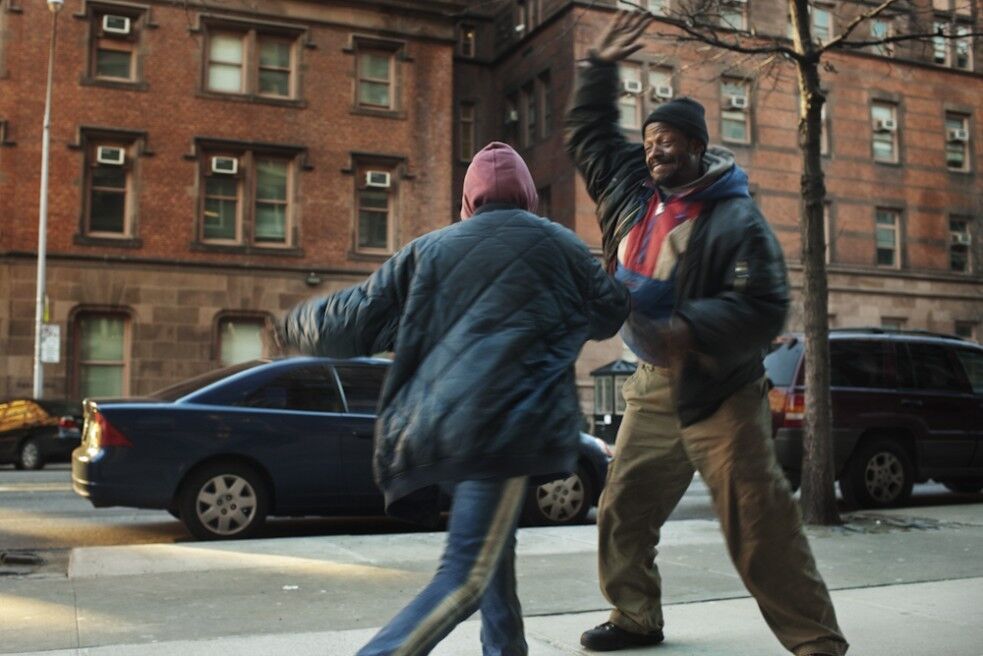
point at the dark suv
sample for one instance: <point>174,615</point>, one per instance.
<point>907,407</point>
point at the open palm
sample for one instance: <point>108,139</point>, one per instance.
<point>619,39</point>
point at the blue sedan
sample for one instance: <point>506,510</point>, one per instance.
<point>288,437</point>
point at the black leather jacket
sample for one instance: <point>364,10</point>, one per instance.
<point>732,285</point>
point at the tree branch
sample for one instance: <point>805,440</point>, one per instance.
<point>852,25</point>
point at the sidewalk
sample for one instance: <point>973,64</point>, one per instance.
<point>904,582</point>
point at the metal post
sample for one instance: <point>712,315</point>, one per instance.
<point>55,6</point>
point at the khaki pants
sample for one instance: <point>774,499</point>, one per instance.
<point>653,465</point>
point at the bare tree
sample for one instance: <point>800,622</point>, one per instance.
<point>708,22</point>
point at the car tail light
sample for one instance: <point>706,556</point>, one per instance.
<point>100,433</point>
<point>67,423</point>
<point>787,407</point>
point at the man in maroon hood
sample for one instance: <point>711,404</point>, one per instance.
<point>485,319</point>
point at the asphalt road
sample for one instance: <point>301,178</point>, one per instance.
<point>39,511</point>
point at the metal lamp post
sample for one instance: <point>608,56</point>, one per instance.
<point>55,6</point>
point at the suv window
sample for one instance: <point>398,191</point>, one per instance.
<point>932,368</point>
<point>864,363</point>
<point>309,389</point>
<point>780,363</point>
<point>972,362</point>
<point>362,386</point>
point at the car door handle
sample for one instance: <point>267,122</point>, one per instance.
<point>911,403</point>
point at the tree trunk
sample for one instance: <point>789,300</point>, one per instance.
<point>818,495</point>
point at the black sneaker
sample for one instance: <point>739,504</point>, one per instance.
<point>610,637</point>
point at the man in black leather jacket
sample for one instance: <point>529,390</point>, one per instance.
<point>709,293</point>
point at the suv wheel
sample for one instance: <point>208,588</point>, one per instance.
<point>29,456</point>
<point>559,502</point>
<point>878,475</point>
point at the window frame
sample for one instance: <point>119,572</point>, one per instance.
<point>467,40</point>
<point>395,52</point>
<point>725,110</point>
<point>896,227</point>
<point>966,248</point>
<point>252,36</point>
<point>895,139</point>
<point>466,130</point>
<point>256,318</point>
<point>130,43</point>
<point>129,202</point>
<point>76,319</point>
<point>247,179</point>
<point>964,122</point>
<point>544,102</point>
<point>732,7</point>
<point>361,166</point>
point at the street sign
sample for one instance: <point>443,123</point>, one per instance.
<point>50,343</point>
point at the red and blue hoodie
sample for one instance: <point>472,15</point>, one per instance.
<point>652,248</point>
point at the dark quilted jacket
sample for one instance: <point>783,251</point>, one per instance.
<point>731,287</point>
<point>485,319</point>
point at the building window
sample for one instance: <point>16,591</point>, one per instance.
<point>375,188</point>
<point>545,105</point>
<point>240,339</point>
<point>887,237</point>
<point>246,198</point>
<point>114,37</point>
<point>512,119</point>
<point>530,102</point>
<point>955,51</point>
<point>109,188</point>
<point>735,119</point>
<point>733,14</point>
<point>467,41</point>
<point>657,7</point>
<point>884,120</point>
<point>893,323</point>
<point>824,129</point>
<point>827,234</point>
<point>375,79</point>
<point>957,141</point>
<point>959,244</point>
<point>821,17</point>
<point>882,28</point>
<point>660,84</point>
<point>965,329</point>
<point>630,98</point>
<point>103,354</point>
<point>251,63</point>
<point>466,131</point>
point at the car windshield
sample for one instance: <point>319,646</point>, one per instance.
<point>780,363</point>
<point>175,392</point>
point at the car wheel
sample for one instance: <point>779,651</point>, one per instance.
<point>964,485</point>
<point>224,502</point>
<point>563,501</point>
<point>878,475</point>
<point>30,456</point>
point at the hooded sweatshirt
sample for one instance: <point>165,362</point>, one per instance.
<point>498,175</point>
<point>649,254</point>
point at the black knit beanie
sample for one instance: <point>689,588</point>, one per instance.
<point>684,114</point>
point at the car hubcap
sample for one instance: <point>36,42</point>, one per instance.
<point>884,477</point>
<point>561,499</point>
<point>30,455</point>
<point>226,504</point>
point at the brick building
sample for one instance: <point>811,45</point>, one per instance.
<point>214,162</point>
<point>902,147</point>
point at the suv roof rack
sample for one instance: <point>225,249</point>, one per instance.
<point>896,331</point>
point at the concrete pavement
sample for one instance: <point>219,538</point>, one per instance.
<point>908,581</point>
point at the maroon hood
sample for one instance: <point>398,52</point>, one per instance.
<point>498,175</point>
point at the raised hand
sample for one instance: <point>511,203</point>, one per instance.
<point>619,39</point>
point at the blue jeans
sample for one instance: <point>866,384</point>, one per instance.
<point>477,570</point>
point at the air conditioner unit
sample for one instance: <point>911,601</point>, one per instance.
<point>379,179</point>
<point>737,102</point>
<point>887,125</point>
<point>112,155</point>
<point>512,116</point>
<point>115,24</point>
<point>662,92</point>
<point>225,165</point>
<point>631,86</point>
<point>961,238</point>
<point>959,134</point>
